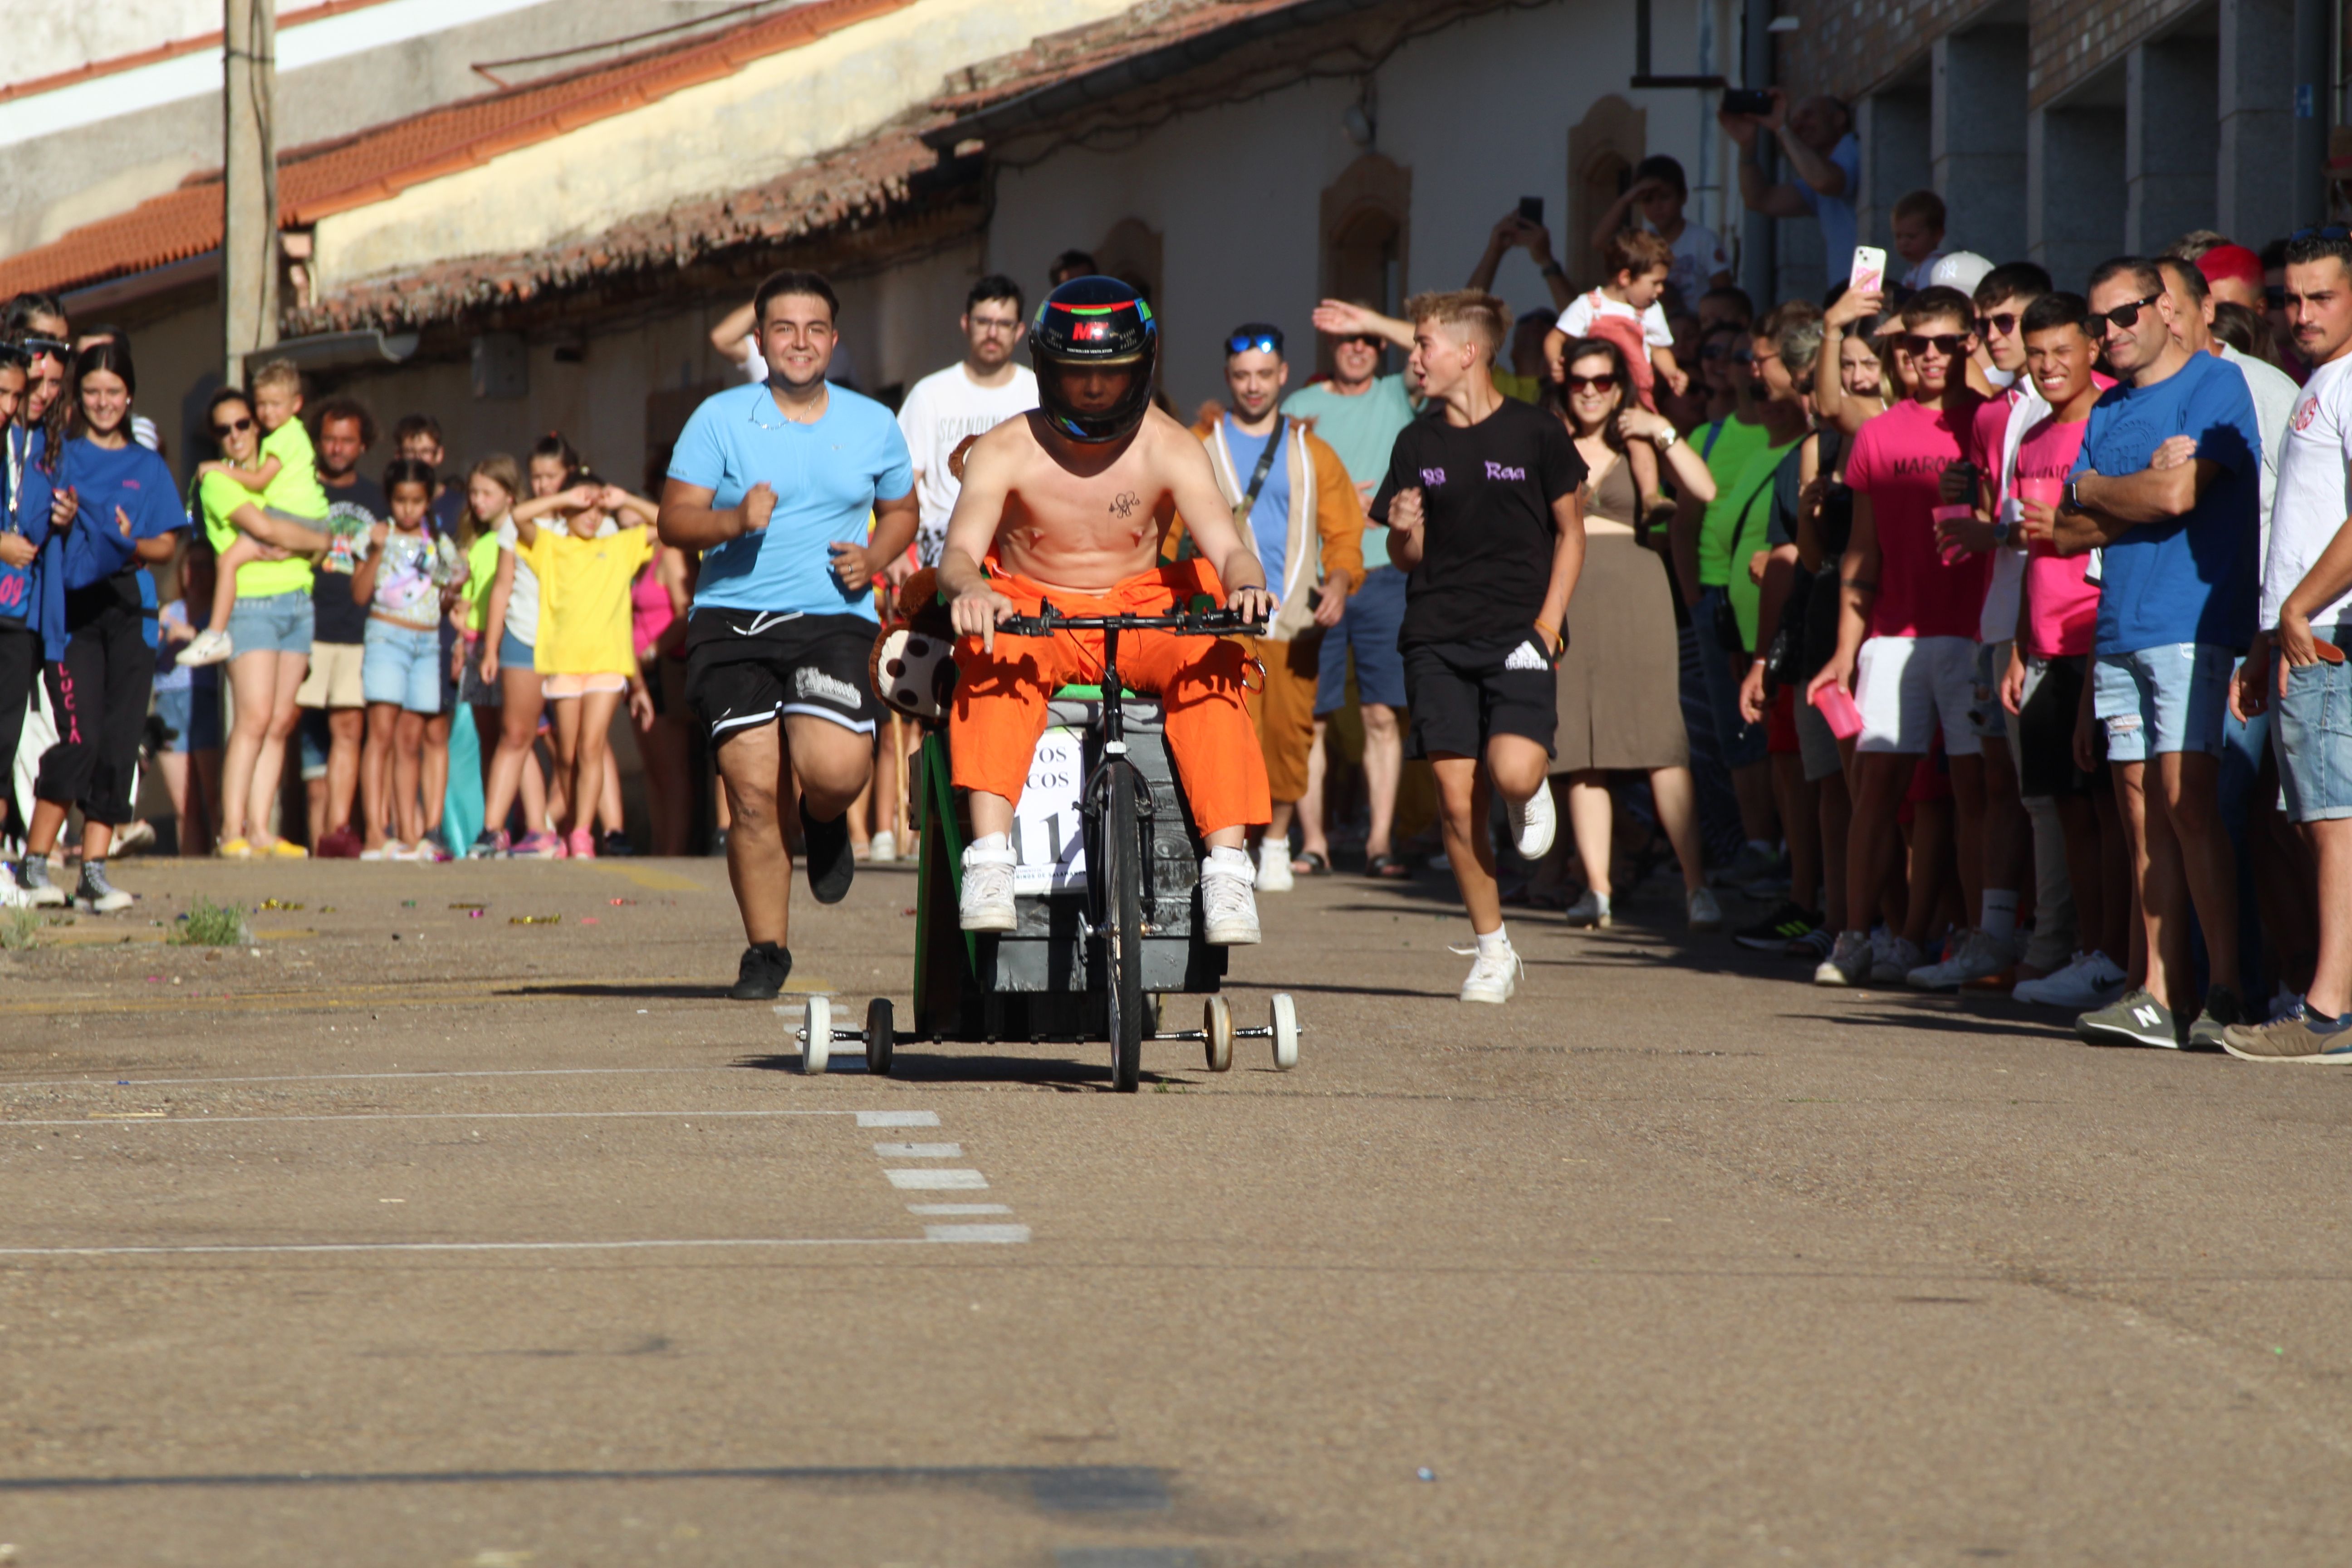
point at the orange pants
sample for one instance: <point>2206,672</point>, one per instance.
<point>1001,698</point>
<point>1285,712</point>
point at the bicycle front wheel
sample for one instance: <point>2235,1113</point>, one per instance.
<point>1123,933</point>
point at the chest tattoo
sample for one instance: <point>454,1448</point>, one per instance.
<point>1123,504</point>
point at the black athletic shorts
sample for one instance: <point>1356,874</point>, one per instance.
<point>745,667</point>
<point>1461,694</point>
<point>2045,733</point>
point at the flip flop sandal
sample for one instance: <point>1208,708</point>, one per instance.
<point>1388,869</point>
<point>1308,863</point>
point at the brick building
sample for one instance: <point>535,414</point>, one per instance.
<point>2069,131</point>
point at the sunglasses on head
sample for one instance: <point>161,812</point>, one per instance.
<point>233,426</point>
<point>1998,326</point>
<point>1948,344</point>
<point>55,347</point>
<point>2123,316</point>
<point>1603,383</point>
<point>2332,231</point>
<point>1268,341</point>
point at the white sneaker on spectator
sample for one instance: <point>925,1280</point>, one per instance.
<point>2090,983</point>
<point>1228,906</point>
<point>208,648</point>
<point>33,881</point>
<point>1902,956</point>
<point>1591,911</point>
<point>1494,977</point>
<point>1705,914</point>
<point>1535,823</point>
<point>1274,866</point>
<point>1848,962</point>
<point>1980,957</point>
<point>12,897</point>
<point>883,850</point>
<point>986,902</point>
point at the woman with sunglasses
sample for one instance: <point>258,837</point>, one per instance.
<point>99,663</point>
<point>1619,703</point>
<point>1849,381</point>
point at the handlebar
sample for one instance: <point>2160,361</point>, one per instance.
<point>1191,623</point>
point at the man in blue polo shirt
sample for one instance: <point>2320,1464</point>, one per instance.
<point>776,484</point>
<point>2168,487</point>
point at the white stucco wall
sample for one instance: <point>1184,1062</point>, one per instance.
<point>1480,113</point>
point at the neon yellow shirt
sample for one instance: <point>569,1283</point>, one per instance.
<point>296,492</point>
<point>482,566</point>
<point>219,497</point>
<point>584,600</point>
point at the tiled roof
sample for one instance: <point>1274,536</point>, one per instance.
<point>1059,56</point>
<point>372,166</point>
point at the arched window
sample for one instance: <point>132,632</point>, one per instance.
<point>1602,149</point>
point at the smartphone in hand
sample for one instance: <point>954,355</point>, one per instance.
<point>1746,100</point>
<point>1868,273</point>
<point>1531,210</point>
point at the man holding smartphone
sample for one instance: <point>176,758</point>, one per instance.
<point>1818,141</point>
<point>1293,497</point>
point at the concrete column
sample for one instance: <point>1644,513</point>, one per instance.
<point>2074,190</point>
<point>2170,96</point>
<point>1977,139</point>
<point>1893,129</point>
<point>2256,198</point>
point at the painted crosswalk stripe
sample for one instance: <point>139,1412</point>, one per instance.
<point>898,1119</point>
<point>997,1233</point>
<point>958,1209</point>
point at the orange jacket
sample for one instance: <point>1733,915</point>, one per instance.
<point>1320,493</point>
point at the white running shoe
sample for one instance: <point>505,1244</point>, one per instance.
<point>12,897</point>
<point>1980,957</point>
<point>1493,978</point>
<point>1705,914</point>
<point>986,903</point>
<point>883,850</point>
<point>32,881</point>
<point>1848,963</point>
<point>1591,911</point>
<point>1274,867</point>
<point>99,895</point>
<point>1228,906</point>
<point>1535,822</point>
<point>209,648</point>
<point>1901,957</point>
<point>2090,983</point>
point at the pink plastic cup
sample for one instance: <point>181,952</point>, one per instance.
<point>1836,705</point>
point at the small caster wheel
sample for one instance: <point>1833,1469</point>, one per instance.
<point>1286,1032</point>
<point>880,1036</point>
<point>816,1036</point>
<point>1217,1023</point>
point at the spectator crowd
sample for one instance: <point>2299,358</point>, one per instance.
<point>1983,626</point>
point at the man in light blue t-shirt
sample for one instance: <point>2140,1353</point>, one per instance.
<point>1358,412</point>
<point>1817,140</point>
<point>2168,487</point>
<point>797,493</point>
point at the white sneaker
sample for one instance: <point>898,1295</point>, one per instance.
<point>1593,910</point>
<point>1848,963</point>
<point>1901,957</point>
<point>1228,906</point>
<point>12,897</point>
<point>1536,822</point>
<point>1274,867</point>
<point>1705,914</point>
<point>883,850</point>
<point>986,903</point>
<point>99,895</point>
<point>39,891</point>
<point>2093,980</point>
<point>1493,978</point>
<point>1980,957</point>
<point>209,648</point>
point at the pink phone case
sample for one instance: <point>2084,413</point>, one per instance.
<point>1836,705</point>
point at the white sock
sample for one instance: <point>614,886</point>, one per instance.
<point>1236,861</point>
<point>2000,920</point>
<point>991,845</point>
<point>1493,942</point>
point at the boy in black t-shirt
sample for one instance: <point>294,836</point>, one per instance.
<point>1482,505</point>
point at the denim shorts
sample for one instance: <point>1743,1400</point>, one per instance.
<point>2313,734</point>
<point>2170,698</point>
<point>275,623</point>
<point>403,666</point>
<point>1368,628</point>
<point>193,714</point>
<point>513,653</point>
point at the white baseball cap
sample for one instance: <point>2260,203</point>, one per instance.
<point>1962,269</point>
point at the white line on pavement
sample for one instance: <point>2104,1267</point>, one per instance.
<point>898,1119</point>
<point>99,1118</point>
<point>344,1077</point>
<point>958,1209</point>
<point>937,1181</point>
<point>999,1233</point>
<point>489,1246</point>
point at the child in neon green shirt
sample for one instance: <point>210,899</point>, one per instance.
<point>285,483</point>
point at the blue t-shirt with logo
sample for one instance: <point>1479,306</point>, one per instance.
<point>129,479</point>
<point>827,478</point>
<point>1270,513</point>
<point>2192,578</point>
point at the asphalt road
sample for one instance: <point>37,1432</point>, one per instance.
<point>412,1235</point>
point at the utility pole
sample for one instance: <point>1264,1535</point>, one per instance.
<point>249,188</point>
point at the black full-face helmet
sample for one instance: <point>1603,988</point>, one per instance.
<point>1090,323</point>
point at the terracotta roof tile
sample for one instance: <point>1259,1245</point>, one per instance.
<point>330,177</point>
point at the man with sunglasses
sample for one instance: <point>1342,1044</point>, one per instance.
<point>2168,487</point>
<point>1358,413</point>
<point>2306,615</point>
<point>1289,490</point>
<point>1907,628</point>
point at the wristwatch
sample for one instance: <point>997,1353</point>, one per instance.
<point>2001,527</point>
<point>1666,439</point>
<point>2071,502</point>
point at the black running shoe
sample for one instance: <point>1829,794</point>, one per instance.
<point>1791,923</point>
<point>764,970</point>
<point>613,844</point>
<point>831,861</point>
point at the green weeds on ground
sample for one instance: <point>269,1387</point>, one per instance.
<point>208,924</point>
